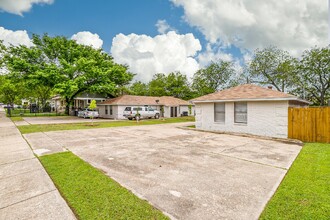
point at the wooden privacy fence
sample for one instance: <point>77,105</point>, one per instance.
<point>310,124</point>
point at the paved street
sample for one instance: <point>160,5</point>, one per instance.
<point>26,190</point>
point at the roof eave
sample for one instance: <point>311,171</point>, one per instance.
<point>254,100</point>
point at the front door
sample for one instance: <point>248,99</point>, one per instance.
<point>174,111</point>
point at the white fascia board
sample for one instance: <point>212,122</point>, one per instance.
<point>254,100</point>
<point>129,104</point>
<point>79,98</point>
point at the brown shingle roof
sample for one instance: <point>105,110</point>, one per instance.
<point>145,100</point>
<point>246,92</point>
<point>172,101</point>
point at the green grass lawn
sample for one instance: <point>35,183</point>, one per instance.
<point>24,129</point>
<point>17,118</point>
<point>305,191</point>
<point>93,195</point>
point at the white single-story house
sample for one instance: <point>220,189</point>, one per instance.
<point>248,108</point>
<point>167,105</point>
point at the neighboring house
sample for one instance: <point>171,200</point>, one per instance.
<point>247,109</point>
<point>57,104</point>
<point>167,105</point>
<point>82,101</point>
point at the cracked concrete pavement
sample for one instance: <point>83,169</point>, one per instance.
<point>185,173</point>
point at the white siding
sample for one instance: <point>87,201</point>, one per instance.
<point>101,109</point>
<point>118,110</point>
<point>185,108</point>
<point>114,111</point>
<point>167,112</point>
<point>264,118</point>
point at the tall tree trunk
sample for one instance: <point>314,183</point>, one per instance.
<point>67,105</point>
<point>322,99</point>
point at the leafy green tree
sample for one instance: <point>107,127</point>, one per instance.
<point>216,76</point>
<point>177,85</point>
<point>273,66</point>
<point>174,84</point>
<point>157,86</point>
<point>67,67</point>
<point>2,53</point>
<point>2,79</point>
<point>92,106</point>
<point>139,88</point>
<point>313,78</point>
<point>9,92</point>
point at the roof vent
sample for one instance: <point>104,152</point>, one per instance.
<point>270,87</point>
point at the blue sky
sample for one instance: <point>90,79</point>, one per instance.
<point>106,18</point>
<point>190,33</point>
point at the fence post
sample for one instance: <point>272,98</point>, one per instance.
<point>290,122</point>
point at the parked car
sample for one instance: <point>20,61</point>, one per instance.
<point>140,112</point>
<point>88,113</point>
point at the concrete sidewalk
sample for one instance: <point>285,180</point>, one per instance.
<point>26,190</point>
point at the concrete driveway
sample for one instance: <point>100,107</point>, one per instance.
<point>187,174</point>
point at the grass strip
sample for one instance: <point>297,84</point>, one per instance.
<point>18,118</point>
<point>305,191</point>
<point>93,195</point>
<point>25,129</point>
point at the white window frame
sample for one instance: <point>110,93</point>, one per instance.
<point>240,112</point>
<point>111,110</point>
<point>220,112</point>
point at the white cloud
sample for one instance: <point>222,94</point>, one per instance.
<point>89,39</point>
<point>20,6</point>
<point>250,24</point>
<point>213,53</point>
<point>15,37</point>
<point>164,53</point>
<point>163,27</point>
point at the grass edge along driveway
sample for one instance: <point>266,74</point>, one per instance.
<point>93,195</point>
<point>305,191</point>
<point>25,129</point>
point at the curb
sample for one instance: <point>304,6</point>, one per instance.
<point>282,140</point>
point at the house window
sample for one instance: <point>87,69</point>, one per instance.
<point>106,110</point>
<point>88,101</point>
<point>219,112</point>
<point>241,112</point>
<point>110,109</point>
